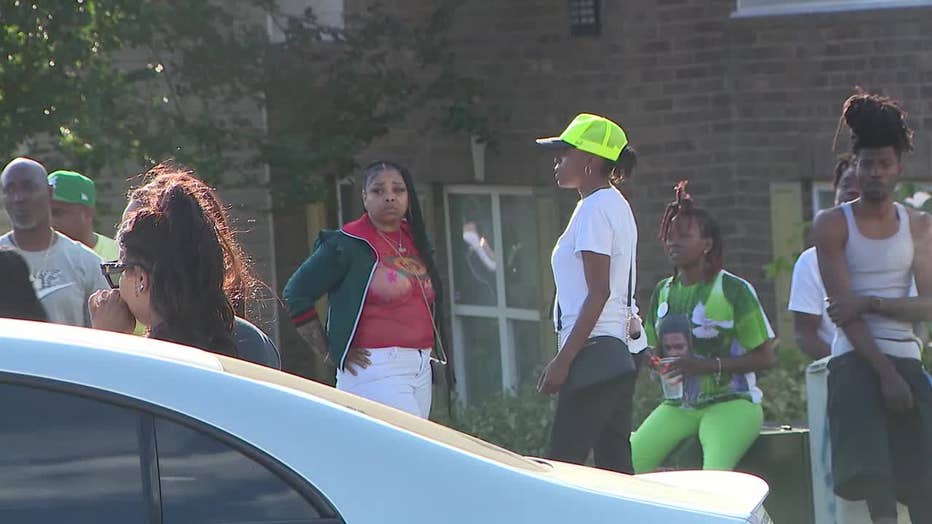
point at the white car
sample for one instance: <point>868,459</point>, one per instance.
<point>101,427</point>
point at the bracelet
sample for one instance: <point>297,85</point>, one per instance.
<point>718,372</point>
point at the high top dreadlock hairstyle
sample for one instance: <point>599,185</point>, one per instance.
<point>876,121</point>
<point>683,208</point>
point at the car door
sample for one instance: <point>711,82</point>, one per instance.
<point>78,455</point>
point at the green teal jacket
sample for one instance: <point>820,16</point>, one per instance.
<point>341,267</point>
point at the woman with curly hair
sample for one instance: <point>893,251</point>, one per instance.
<point>239,281</point>
<point>169,277</point>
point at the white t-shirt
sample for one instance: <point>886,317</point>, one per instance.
<point>602,223</point>
<point>807,293</point>
<point>65,275</point>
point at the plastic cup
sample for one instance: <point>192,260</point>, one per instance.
<point>671,383</point>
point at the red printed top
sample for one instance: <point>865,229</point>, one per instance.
<point>395,312</point>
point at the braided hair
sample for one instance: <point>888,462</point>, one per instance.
<point>876,121</point>
<point>683,207</point>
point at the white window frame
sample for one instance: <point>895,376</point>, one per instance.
<point>501,312</point>
<point>753,8</point>
<point>817,188</point>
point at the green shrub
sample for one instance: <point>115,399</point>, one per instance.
<point>518,422</point>
<point>521,422</point>
<point>784,387</point>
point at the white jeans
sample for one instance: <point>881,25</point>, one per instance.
<point>397,377</point>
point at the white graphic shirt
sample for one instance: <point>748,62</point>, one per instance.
<point>64,275</point>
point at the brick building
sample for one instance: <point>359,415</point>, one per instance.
<point>740,97</point>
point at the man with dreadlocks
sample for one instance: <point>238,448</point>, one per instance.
<point>731,341</point>
<point>869,251</point>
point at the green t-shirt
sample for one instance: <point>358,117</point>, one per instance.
<point>727,320</point>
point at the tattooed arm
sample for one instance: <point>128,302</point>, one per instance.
<point>313,333</point>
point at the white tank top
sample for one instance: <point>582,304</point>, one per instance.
<point>881,268</point>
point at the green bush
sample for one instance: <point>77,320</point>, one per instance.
<point>518,422</point>
<point>521,422</point>
<point>784,388</point>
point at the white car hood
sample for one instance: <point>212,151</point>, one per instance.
<point>716,492</point>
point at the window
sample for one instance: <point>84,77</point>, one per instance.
<point>913,194</point>
<point>329,13</point>
<point>68,458</point>
<point>749,8</point>
<point>204,481</point>
<point>584,17</point>
<point>495,287</point>
<point>823,197</point>
<point>65,458</point>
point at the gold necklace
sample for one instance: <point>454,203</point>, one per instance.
<point>396,245</point>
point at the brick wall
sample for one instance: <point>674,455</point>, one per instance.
<point>731,104</point>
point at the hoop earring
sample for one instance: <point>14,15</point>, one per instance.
<point>588,171</point>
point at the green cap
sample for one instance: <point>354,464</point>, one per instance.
<point>73,188</point>
<point>590,133</point>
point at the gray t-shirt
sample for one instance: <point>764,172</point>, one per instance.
<point>253,345</point>
<point>64,275</point>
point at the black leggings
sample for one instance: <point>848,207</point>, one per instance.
<point>595,418</point>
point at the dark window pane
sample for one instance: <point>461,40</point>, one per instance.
<point>530,357</point>
<point>584,17</point>
<point>65,458</point>
<point>204,481</point>
<point>483,357</point>
<point>473,250</point>
<point>520,252</point>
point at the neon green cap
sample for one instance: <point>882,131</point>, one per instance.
<point>72,188</point>
<point>590,133</point>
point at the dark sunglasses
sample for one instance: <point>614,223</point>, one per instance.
<point>113,271</point>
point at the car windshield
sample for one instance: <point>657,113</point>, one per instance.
<point>394,417</point>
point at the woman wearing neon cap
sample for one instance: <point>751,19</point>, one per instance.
<point>594,270</point>
<point>731,341</point>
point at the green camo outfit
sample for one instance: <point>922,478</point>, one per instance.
<point>724,411</point>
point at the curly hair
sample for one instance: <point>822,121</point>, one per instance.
<point>175,242</point>
<point>239,279</point>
